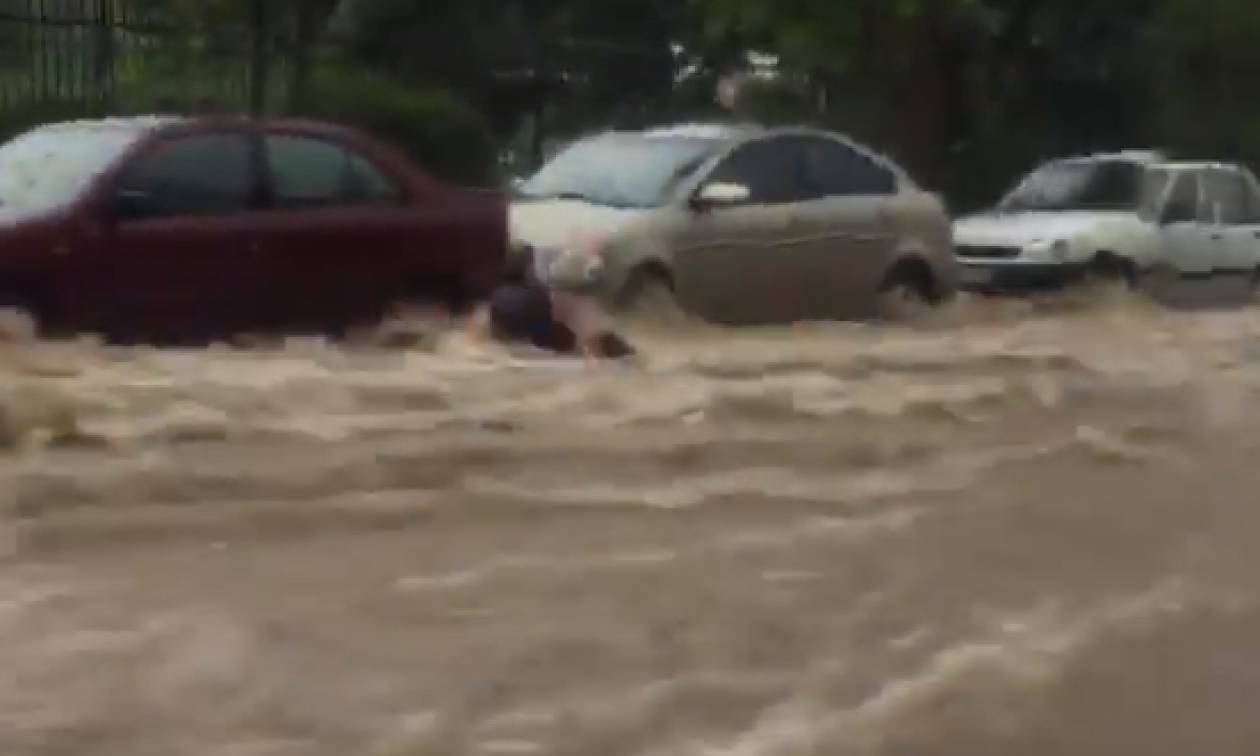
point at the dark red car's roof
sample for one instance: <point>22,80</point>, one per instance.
<point>136,124</point>
<point>160,123</point>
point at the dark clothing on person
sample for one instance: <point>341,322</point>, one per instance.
<point>522,312</point>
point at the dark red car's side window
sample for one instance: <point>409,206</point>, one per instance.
<point>193,175</point>
<point>309,172</point>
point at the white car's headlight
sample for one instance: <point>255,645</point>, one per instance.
<point>1058,251</point>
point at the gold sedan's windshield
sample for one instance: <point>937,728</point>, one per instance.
<point>621,170</point>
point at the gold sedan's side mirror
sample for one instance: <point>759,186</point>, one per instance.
<point>719,194</point>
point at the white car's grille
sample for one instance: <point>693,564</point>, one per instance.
<point>986,251</point>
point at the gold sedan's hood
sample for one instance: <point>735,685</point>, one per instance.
<point>564,223</point>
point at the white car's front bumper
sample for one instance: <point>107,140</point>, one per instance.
<point>982,274</point>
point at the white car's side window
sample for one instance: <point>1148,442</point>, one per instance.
<point>1251,192</point>
<point>1156,186</point>
<point>1182,205</point>
<point>1210,209</point>
<point>1231,197</point>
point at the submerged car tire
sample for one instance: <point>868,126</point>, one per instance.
<point>907,293</point>
<point>1107,269</point>
<point>648,295</point>
<point>1159,279</point>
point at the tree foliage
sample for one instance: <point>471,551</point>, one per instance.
<point>966,93</point>
<point>1206,65</point>
<point>443,134</point>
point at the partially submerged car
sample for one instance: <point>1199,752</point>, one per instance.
<point>1121,217</point>
<point>170,228</point>
<point>741,224</point>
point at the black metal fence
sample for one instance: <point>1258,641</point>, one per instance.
<point>96,52</point>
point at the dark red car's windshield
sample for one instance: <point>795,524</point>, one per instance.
<point>45,169</point>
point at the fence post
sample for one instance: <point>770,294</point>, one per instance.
<point>39,49</point>
<point>307,19</point>
<point>103,75</point>
<point>259,61</point>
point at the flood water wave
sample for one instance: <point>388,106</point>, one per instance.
<point>1017,528</point>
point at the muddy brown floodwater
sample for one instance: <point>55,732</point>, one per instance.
<point>1018,532</point>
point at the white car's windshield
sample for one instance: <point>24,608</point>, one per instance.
<point>1080,185</point>
<point>621,170</point>
<point>46,169</point>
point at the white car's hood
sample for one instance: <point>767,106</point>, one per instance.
<point>1022,229</point>
<point>561,223</point>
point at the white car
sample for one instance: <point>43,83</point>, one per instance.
<point>1123,217</point>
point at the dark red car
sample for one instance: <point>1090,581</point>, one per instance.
<point>169,228</point>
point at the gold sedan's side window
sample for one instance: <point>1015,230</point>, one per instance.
<point>770,169</point>
<point>833,169</point>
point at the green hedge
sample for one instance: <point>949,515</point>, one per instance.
<point>445,137</point>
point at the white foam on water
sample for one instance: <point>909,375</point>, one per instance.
<point>816,539</point>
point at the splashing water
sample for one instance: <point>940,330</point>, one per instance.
<point>1013,527</point>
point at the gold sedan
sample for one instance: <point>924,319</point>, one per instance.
<point>743,225</point>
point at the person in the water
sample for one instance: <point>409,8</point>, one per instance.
<point>547,301</point>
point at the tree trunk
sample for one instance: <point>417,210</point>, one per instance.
<point>308,21</point>
<point>538,143</point>
<point>923,103</point>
